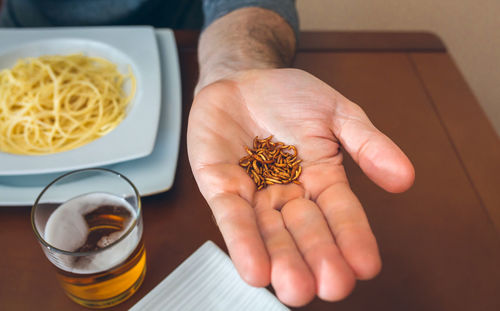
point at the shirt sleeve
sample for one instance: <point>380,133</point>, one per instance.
<point>213,9</point>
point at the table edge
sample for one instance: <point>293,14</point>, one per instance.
<point>367,41</point>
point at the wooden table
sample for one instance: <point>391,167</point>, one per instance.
<point>439,241</point>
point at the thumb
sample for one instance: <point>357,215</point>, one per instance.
<point>377,155</point>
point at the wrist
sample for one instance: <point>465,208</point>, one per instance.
<point>226,67</point>
<point>248,38</point>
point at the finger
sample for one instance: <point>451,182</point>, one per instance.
<point>378,156</point>
<point>277,196</point>
<point>290,275</point>
<point>305,221</point>
<point>237,223</point>
<point>349,225</point>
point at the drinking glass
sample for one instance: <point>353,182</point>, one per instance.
<point>89,225</point>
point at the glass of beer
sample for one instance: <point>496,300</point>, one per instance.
<point>89,224</point>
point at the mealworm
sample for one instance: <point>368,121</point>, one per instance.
<point>271,163</point>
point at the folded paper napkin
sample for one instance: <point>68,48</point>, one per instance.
<point>207,280</point>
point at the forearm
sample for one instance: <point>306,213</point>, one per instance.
<point>247,38</point>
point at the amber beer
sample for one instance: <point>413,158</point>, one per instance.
<point>105,261</point>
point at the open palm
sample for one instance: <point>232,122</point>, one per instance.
<point>308,239</point>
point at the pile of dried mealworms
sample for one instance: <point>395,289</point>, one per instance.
<point>271,163</point>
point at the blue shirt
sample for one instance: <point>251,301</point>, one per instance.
<point>175,14</point>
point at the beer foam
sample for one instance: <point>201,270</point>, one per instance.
<point>67,229</point>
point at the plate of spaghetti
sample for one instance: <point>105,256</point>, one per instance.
<point>151,174</point>
<point>77,97</point>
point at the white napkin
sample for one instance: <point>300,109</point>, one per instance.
<point>207,280</point>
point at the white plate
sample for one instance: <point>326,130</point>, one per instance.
<point>152,174</point>
<point>134,137</point>
<point>207,280</point>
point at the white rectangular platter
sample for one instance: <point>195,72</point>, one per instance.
<point>151,174</point>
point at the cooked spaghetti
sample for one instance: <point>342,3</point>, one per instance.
<point>56,103</point>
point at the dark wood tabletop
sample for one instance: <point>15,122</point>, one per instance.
<point>439,241</point>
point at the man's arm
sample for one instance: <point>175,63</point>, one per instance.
<point>308,239</point>
<point>247,38</point>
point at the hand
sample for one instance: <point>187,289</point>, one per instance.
<point>309,239</point>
